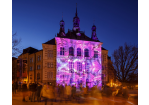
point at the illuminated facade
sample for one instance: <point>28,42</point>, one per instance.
<point>78,62</point>
<point>78,57</point>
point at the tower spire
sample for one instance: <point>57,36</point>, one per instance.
<point>76,10</point>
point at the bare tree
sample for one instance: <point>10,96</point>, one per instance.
<point>125,62</point>
<point>16,49</point>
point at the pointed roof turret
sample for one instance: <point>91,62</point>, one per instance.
<point>76,21</point>
<point>76,10</point>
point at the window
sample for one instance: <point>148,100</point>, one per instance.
<point>38,67</point>
<point>71,51</point>
<point>38,58</point>
<point>50,75</point>
<point>31,68</point>
<point>105,58</point>
<point>51,65</point>
<point>87,67</point>
<point>50,53</point>
<point>71,66</point>
<point>48,65</point>
<point>31,60</point>
<point>86,53</point>
<point>95,54</point>
<point>79,66</point>
<point>61,50</point>
<point>38,76</point>
<point>78,51</point>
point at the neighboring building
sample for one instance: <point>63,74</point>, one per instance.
<point>69,58</point>
<point>26,65</point>
<point>104,66</point>
<point>39,66</point>
<point>49,62</point>
<point>14,69</point>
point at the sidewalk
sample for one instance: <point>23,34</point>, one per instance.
<point>17,99</point>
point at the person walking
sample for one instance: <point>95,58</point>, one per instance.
<point>24,90</point>
<point>38,88</point>
<point>47,93</point>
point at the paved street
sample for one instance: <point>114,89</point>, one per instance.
<point>17,100</point>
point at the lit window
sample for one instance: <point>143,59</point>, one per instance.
<point>71,66</point>
<point>79,66</point>
<point>86,53</point>
<point>95,54</point>
<point>71,51</point>
<point>61,50</point>
<point>78,51</point>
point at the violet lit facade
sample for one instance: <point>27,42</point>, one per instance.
<point>78,57</point>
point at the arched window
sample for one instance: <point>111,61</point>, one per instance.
<point>78,51</point>
<point>86,53</point>
<point>71,51</point>
<point>61,50</point>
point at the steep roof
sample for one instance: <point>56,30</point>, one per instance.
<point>52,42</point>
<point>13,58</point>
<point>29,50</point>
<point>103,48</point>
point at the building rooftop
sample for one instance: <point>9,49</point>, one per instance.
<point>103,48</point>
<point>73,35</point>
<point>52,42</point>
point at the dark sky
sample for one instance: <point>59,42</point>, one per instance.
<point>37,21</point>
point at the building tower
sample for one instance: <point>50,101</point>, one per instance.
<point>62,30</point>
<point>76,22</point>
<point>94,37</point>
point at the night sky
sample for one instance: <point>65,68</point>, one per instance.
<point>37,21</point>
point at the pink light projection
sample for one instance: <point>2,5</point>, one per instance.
<point>78,69</point>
